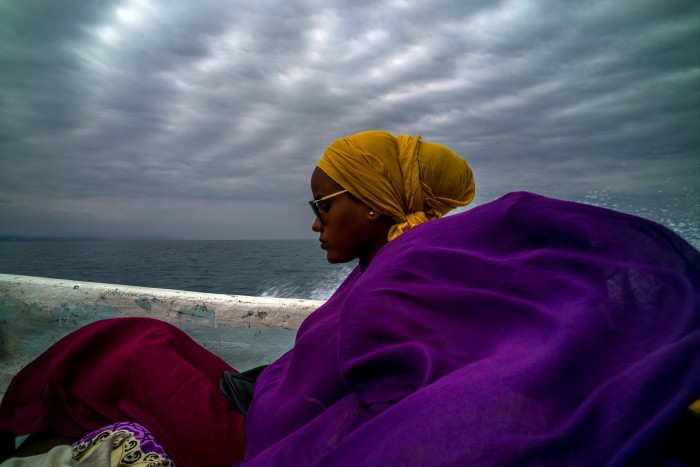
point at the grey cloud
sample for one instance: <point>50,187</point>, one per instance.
<point>119,115</point>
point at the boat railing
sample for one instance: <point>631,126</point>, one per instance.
<point>245,331</point>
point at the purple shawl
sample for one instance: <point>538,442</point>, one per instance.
<point>526,331</point>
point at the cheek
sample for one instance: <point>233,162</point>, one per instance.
<point>347,230</point>
<point>345,241</point>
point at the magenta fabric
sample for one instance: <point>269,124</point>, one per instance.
<point>527,331</point>
<point>129,369</point>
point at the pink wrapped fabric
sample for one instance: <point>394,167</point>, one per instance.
<point>129,369</point>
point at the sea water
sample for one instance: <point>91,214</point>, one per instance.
<point>276,268</point>
<point>273,268</point>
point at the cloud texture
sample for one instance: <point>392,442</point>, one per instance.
<point>204,119</point>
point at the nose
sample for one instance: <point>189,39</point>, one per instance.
<point>317,226</point>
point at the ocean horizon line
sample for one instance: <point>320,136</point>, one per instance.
<point>59,238</point>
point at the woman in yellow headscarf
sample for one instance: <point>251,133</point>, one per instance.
<point>380,186</point>
<point>369,188</point>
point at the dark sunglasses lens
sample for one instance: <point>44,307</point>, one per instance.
<point>314,208</point>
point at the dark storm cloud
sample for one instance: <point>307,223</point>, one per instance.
<point>143,117</point>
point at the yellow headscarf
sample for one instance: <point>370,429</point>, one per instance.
<point>409,180</point>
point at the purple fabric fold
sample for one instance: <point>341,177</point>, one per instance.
<point>527,331</point>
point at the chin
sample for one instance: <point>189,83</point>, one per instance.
<point>333,260</point>
<point>336,259</point>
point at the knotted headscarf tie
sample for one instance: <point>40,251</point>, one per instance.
<point>409,180</point>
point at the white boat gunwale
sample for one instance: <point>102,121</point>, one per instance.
<point>245,331</point>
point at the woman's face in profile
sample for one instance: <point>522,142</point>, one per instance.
<point>345,229</point>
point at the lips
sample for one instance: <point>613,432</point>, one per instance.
<point>324,245</point>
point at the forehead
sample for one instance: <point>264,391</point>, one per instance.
<point>322,184</point>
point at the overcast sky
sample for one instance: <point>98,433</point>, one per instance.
<point>204,119</point>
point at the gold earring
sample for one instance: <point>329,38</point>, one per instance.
<point>371,214</point>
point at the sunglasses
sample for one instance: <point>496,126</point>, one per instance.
<point>314,204</point>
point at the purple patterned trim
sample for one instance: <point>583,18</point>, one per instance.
<point>148,443</point>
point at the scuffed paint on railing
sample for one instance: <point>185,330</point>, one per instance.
<point>245,331</point>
